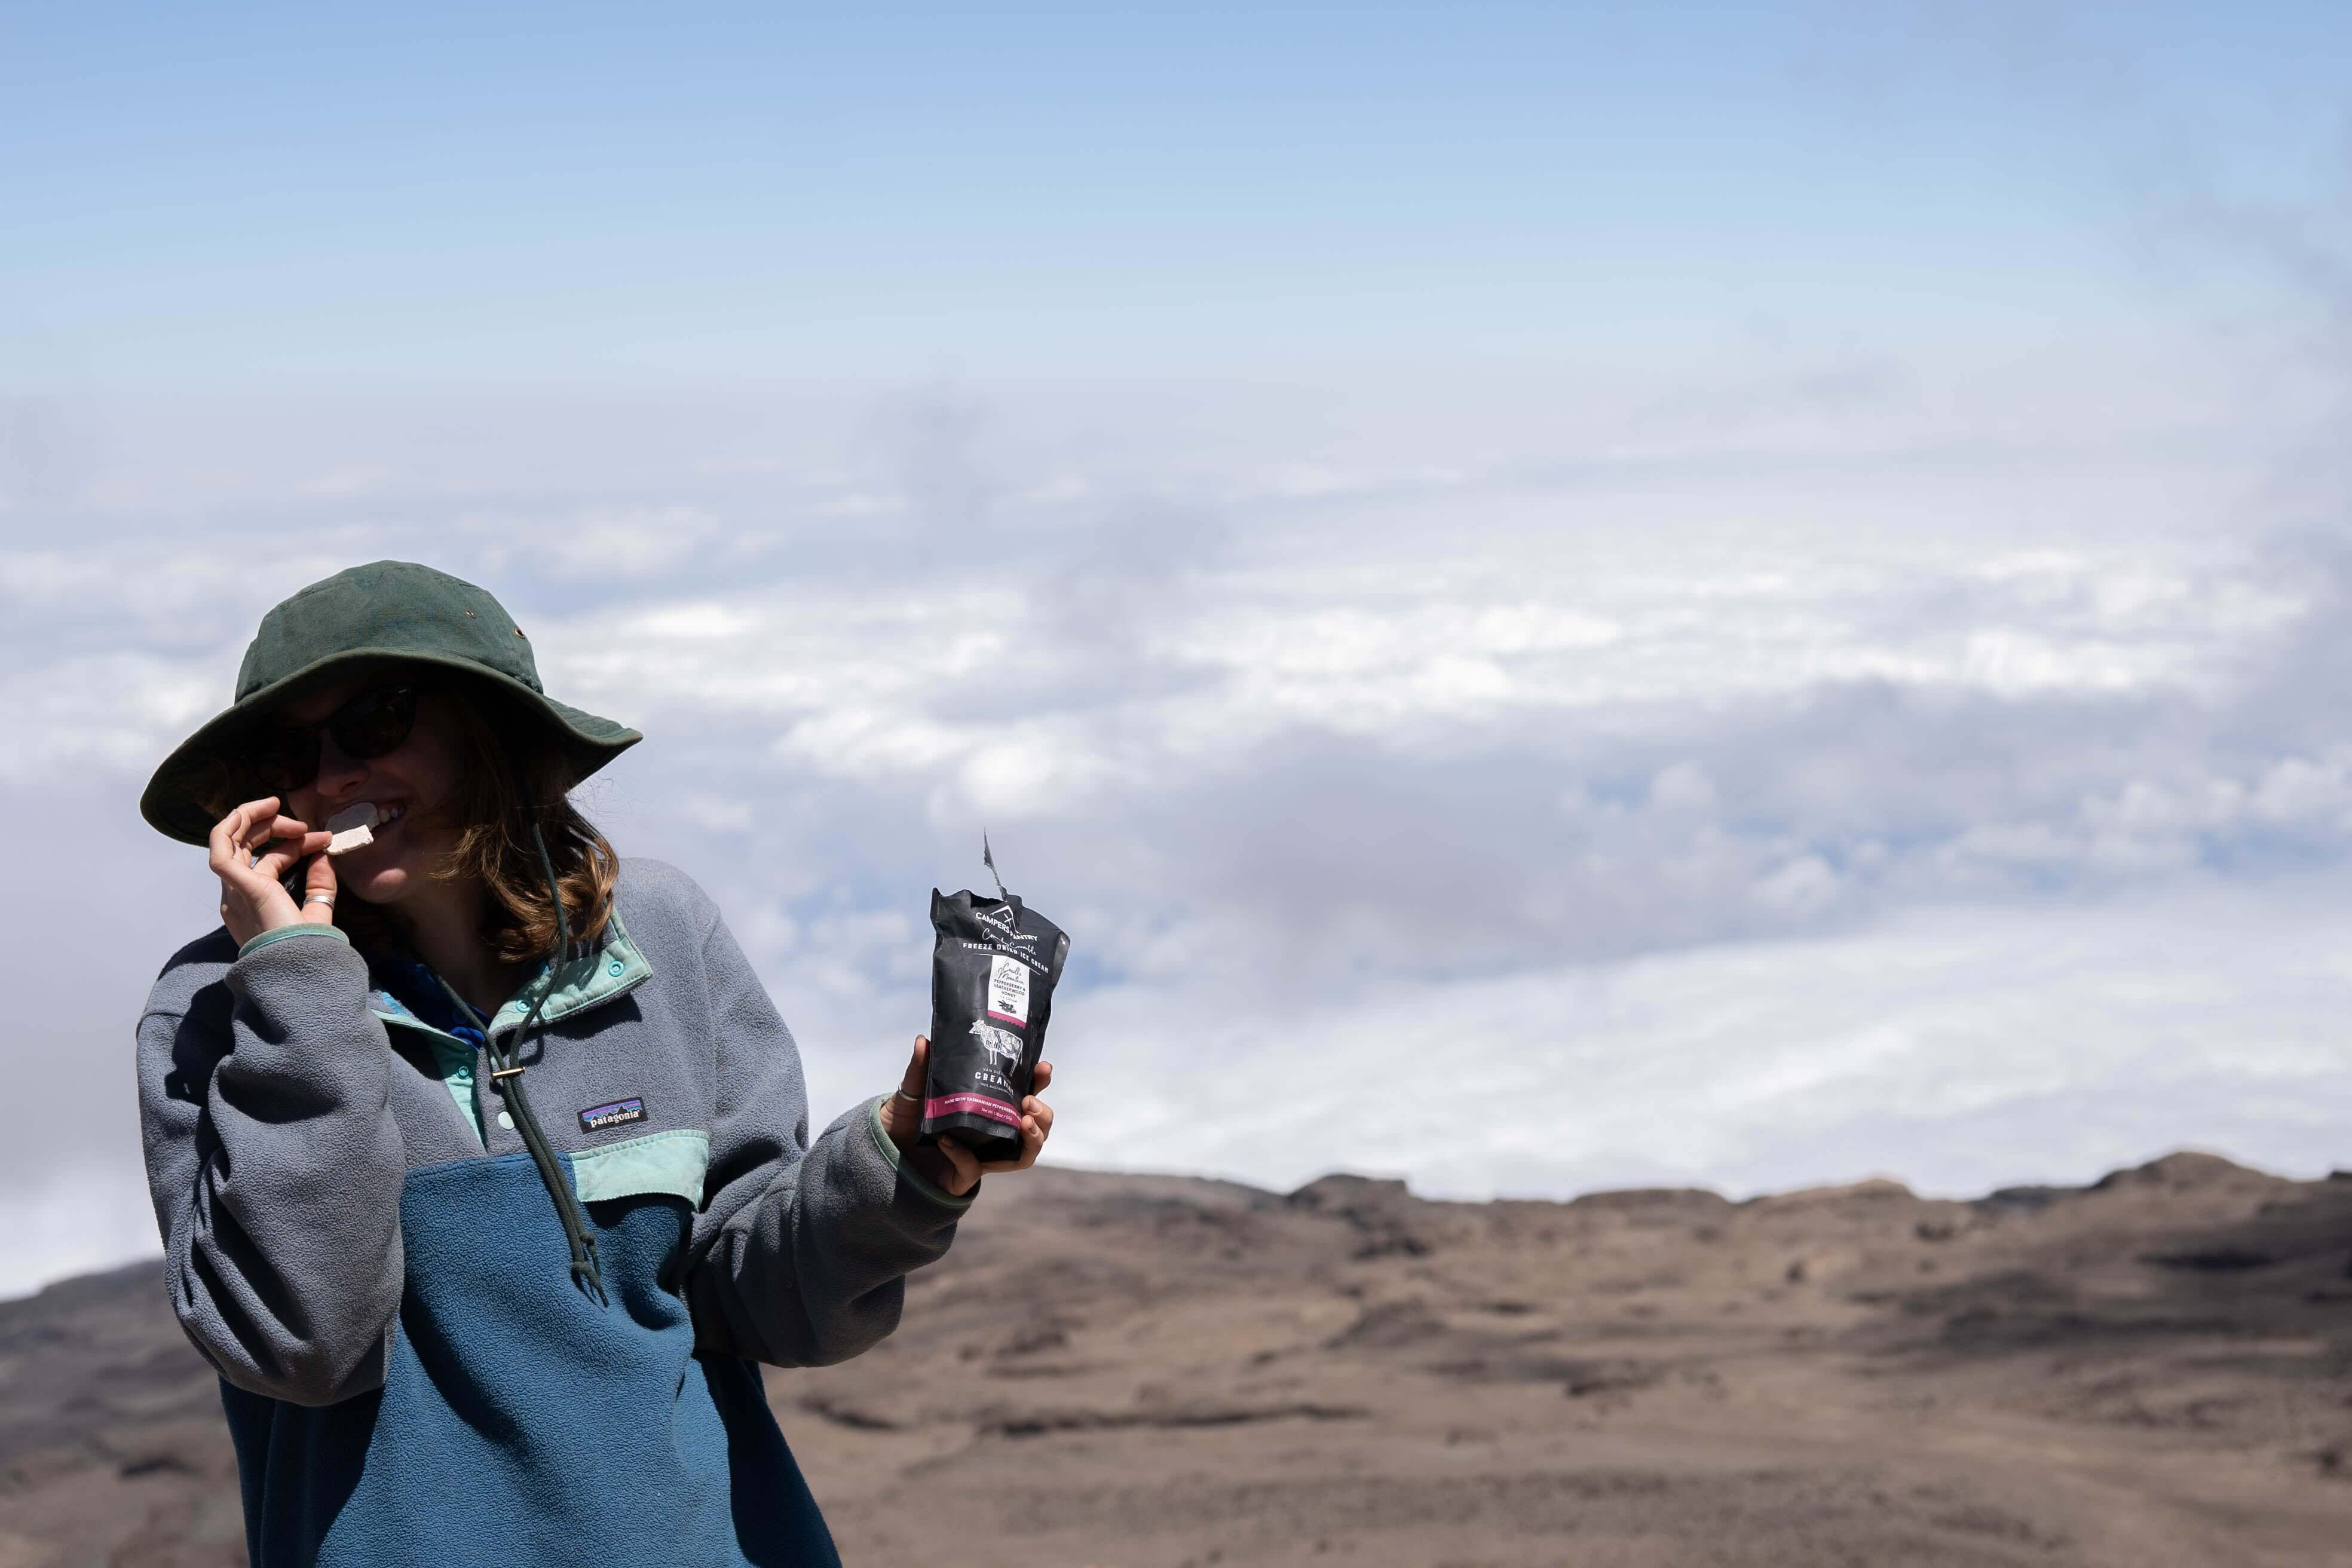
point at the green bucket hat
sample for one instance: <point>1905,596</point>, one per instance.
<point>385,610</point>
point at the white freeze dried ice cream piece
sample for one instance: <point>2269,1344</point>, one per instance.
<point>352,828</point>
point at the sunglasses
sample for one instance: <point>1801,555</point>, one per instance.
<point>369,725</point>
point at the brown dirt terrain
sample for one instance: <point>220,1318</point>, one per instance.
<point>1135,1372</point>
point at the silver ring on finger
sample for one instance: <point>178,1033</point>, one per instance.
<point>321,897</point>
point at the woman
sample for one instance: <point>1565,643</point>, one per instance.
<point>481,1158</point>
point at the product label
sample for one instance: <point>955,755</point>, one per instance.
<point>620,1113</point>
<point>971,1105</point>
<point>1008,989</point>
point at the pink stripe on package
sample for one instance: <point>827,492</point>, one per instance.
<point>972,1105</point>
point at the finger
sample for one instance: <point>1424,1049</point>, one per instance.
<point>231,859</point>
<point>319,877</point>
<point>963,1164</point>
<point>1033,1139</point>
<point>294,830</point>
<point>228,832</point>
<point>259,822</point>
<point>1042,1113</point>
<point>287,849</point>
<point>902,1113</point>
<point>1042,1077</point>
<point>265,831</point>
<point>238,838</point>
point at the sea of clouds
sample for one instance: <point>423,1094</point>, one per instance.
<point>1769,772</point>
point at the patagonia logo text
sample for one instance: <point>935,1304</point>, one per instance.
<point>620,1113</point>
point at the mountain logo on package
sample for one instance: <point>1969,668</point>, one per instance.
<point>1001,1043</point>
<point>619,1113</point>
<point>1000,922</point>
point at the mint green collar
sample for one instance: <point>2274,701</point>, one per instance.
<point>613,968</point>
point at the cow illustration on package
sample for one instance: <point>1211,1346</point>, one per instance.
<point>1001,1044</point>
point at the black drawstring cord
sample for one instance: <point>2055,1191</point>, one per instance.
<point>506,1076</point>
<point>585,1273</point>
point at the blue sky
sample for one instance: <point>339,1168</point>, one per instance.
<point>1782,568</point>
<point>279,193</point>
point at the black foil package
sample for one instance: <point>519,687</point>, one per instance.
<point>994,963</point>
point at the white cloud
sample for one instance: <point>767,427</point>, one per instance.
<point>631,541</point>
<point>86,1218</point>
<point>1752,824</point>
<point>109,710</point>
<point>1746,1067</point>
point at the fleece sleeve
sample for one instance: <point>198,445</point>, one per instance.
<point>802,1251</point>
<point>276,1166</point>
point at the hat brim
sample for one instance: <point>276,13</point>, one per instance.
<point>177,801</point>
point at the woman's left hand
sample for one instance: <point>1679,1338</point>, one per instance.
<point>947,1164</point>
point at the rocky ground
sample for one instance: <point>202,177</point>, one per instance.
<point>1154,1372</point>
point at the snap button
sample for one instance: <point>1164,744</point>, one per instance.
<point>506,1120</point>
<point>613,969</point>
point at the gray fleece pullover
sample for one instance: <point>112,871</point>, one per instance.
<point>385,1289</point>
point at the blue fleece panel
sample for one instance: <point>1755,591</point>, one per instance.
<point>521,1423</point>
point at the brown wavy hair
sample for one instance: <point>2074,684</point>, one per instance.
<point>507,772</point>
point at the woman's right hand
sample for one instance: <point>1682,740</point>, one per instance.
<point>253,897</point>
